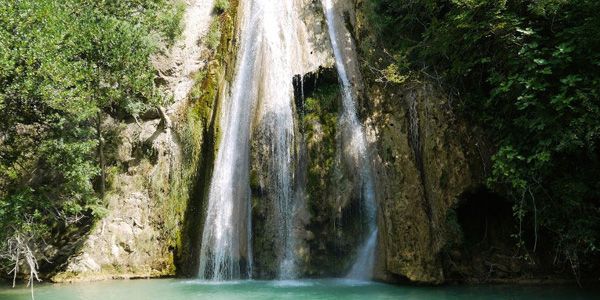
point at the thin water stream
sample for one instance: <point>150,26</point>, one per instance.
<point>354,146</point>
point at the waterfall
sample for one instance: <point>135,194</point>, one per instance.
<point>261,97</point>
<point>226,237</point>
<point>355,146</point>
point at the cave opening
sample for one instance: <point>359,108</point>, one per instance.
<point>485,219</point>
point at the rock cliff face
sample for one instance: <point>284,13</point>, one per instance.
<point>424,159</point>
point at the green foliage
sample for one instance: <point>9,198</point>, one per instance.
<point>222,5</point>
<point>319,121</point>
<point>527,72</point>
<point>169,20</point>
<point>213,37</point>
<point>63,65</point>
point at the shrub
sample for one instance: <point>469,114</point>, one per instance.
<point>221,5</point>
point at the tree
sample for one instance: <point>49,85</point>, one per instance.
<point>64,66</point>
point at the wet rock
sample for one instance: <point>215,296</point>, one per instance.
<point>426,161</point>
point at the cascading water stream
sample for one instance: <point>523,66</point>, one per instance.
<point>262,92</point>
<point>226,235</point>
<point>277,119</point>
<point>355,146</point>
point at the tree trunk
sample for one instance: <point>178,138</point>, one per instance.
<point>101,156</point>
<point>166,122</point>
